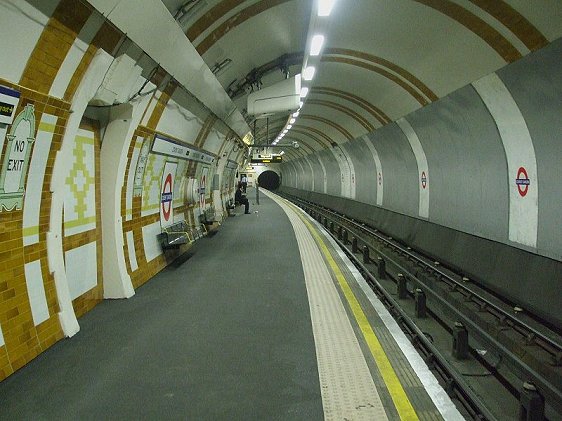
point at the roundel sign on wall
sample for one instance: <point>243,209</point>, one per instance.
<point>167,195</point>
<point>166,198</point>
<point>202,191</point>
<point>522,181</point>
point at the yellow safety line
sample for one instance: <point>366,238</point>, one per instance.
<point>398,394</point>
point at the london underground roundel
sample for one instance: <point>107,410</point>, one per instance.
<point>166,199</point>
<point>423,180</point>
<point>522,181</point>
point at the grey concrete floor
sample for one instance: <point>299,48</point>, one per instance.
<point>226,335</point>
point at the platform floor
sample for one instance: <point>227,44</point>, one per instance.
<point>266,321</point>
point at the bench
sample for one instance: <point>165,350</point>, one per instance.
<point>175,235</point>
<point>208,217</point>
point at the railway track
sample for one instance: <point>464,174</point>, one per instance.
<point>493,344</point>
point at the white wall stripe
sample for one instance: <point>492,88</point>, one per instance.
<point>522,177</point>
<point>494,23</point>
<point>36,174</point>
<point>345,170</point>
<point>311,173</point>
<point>379,175</point>
<point>423,170</point>
<point>1,337</point>
<point>292,175</point>
<point>131,250</point>
<point>324,175</point>
<point>36,292</point>
<point>295,174</point>
<point>131,178</point>
<point>301,171</point>
<point>353,178</point>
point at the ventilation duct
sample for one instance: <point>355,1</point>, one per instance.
<point>282,97</point>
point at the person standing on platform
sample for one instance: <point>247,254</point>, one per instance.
<point>244,181</point>
<point>242,199</point>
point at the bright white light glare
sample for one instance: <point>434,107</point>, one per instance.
<point>285,131</point>
<point>325,7</point>
<point>292,120</point>
<point>289,126</point>
<point>316,44</point>
<point>308,73</point>
<point>296,114</point>
<point>301,104</point>
<point>304,92</point>
<point>282,152</point>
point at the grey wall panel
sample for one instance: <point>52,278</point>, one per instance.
<point>468,170</point>
<point>467,165</point>
<point>365,171</point>
<point>504,269</point>
<point>332,171</point>
<point>301,174</point>
<point>307,184</point>
<point>318,173</point>
<point>289,175</point>
<point>535,82</point>
<point>400,170</point>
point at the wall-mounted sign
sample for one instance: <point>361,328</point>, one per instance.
<point>9,100</point>
<point>202,187</point>
<point>141,164</point>
<point>167,194</point>
<point>231,164</point>
<point>16,160</point>
<point>170,147</point>
<point>273,160</point>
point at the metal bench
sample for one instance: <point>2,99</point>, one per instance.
<point>208,217</point>
<point>175,235</point>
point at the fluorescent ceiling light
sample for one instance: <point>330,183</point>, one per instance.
<point>325,7</point>
<point>316,44</point>
<point>308,73</point>
<point>289,126</point>
<point>292,120</point>
<point>304,92</point>
<point>301,104</point>
<point>296,114</point>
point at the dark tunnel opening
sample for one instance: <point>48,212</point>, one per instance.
<point>269,180</point>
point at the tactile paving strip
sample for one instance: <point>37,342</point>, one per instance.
<point>348,391</point>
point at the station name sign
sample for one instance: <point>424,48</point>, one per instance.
<point>230,164</point>
<point>169,147</point>
<point>273,160</point>
<point>9,100</point>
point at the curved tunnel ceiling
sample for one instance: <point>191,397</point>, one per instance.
<point>382,60</point>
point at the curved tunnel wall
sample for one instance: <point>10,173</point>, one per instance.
<point>456,164</point>
<point>86,182</point>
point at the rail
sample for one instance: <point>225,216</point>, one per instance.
<point>504,318</point>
